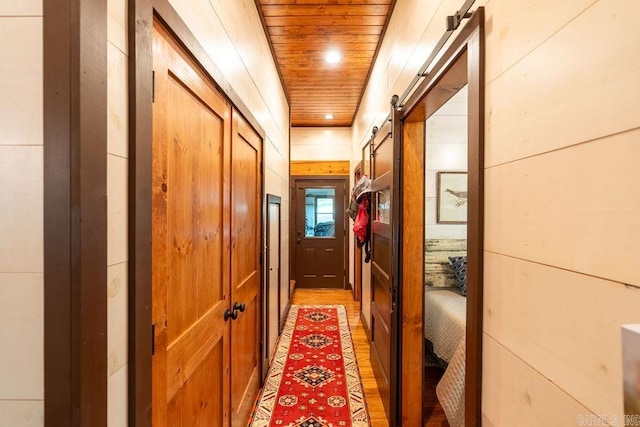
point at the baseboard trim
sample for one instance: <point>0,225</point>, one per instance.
<point>365,327</point>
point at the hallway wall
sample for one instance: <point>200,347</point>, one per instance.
<point>21,215</point>
<point>117,227</point>
<point>562,205</point>
<point>320,143</point>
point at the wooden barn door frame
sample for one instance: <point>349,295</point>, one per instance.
<point>140,25</point>
<point>463,60</point>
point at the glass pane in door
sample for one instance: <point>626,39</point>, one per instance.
<point>320,212</point>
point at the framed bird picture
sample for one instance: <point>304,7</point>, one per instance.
<point>452,197</point>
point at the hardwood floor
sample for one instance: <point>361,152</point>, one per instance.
<point>433,413</point>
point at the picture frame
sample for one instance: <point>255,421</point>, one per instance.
<point>451,200</point>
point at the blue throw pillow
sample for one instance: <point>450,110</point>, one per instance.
<point>459,264</point>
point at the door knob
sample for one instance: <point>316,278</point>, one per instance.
<point>230,314</point>
<point>237,307</point>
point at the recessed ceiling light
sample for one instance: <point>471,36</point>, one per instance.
<point>332,57</point>
<point>328,116</point>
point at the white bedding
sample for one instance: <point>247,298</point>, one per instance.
<point>450,389</point>
<point>445,313</point>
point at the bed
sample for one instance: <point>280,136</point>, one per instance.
<point>445,329</point>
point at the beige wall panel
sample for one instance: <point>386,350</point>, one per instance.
<point>116,210</point>
<point>250,70</point>
<point>21,8</point>
<point>577,208</point>
<point>580,84</point>
<point>117,399</point>
<point>21,337</point>
<point>117,103</point>
<point>518,27</point>
<point>568,326</point>
<point>21,226</point>
<point>321,143</point>
<point>117,317</point>
<point>277,162</point>
<point>515,394</point>
<point>117,24</point>
<point>21,104</point>
<point>22,413</point>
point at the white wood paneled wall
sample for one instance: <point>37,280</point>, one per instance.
<point>21,215</point>
<point>562,207</point>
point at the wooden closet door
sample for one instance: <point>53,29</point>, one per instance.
<point>246,272</point>
<point>191,243</point>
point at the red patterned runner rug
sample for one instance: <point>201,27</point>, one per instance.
<point>313,379</point>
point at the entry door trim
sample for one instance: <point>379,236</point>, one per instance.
<point>141,15</point>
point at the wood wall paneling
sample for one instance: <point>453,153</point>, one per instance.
<point>541,210</point>
<point>554,310</point>
<point>319,168</point>
<point>300,34</point>
<point>519,395</point>
<point>575,106</point>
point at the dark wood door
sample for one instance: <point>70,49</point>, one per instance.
<point>246,191</point>
<point>190,244</point>
<point>384,250</point>
<point>319,237</point>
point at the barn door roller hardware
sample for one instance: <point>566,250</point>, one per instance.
<point>453,22</point>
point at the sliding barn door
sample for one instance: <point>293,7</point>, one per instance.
<point>207,221</point>
<point>384,279</point>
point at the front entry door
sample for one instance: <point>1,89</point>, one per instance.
<point>320,233</point>
<point>206,231</point>
<point>384,250</point>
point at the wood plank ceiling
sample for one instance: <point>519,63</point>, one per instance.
<point>301,32</point>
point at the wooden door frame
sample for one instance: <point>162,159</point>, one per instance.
<point>292,219</point>
<point>272,200</point>
<point>468,45</point>
<point>75,212</point>
<point>140,66</point>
